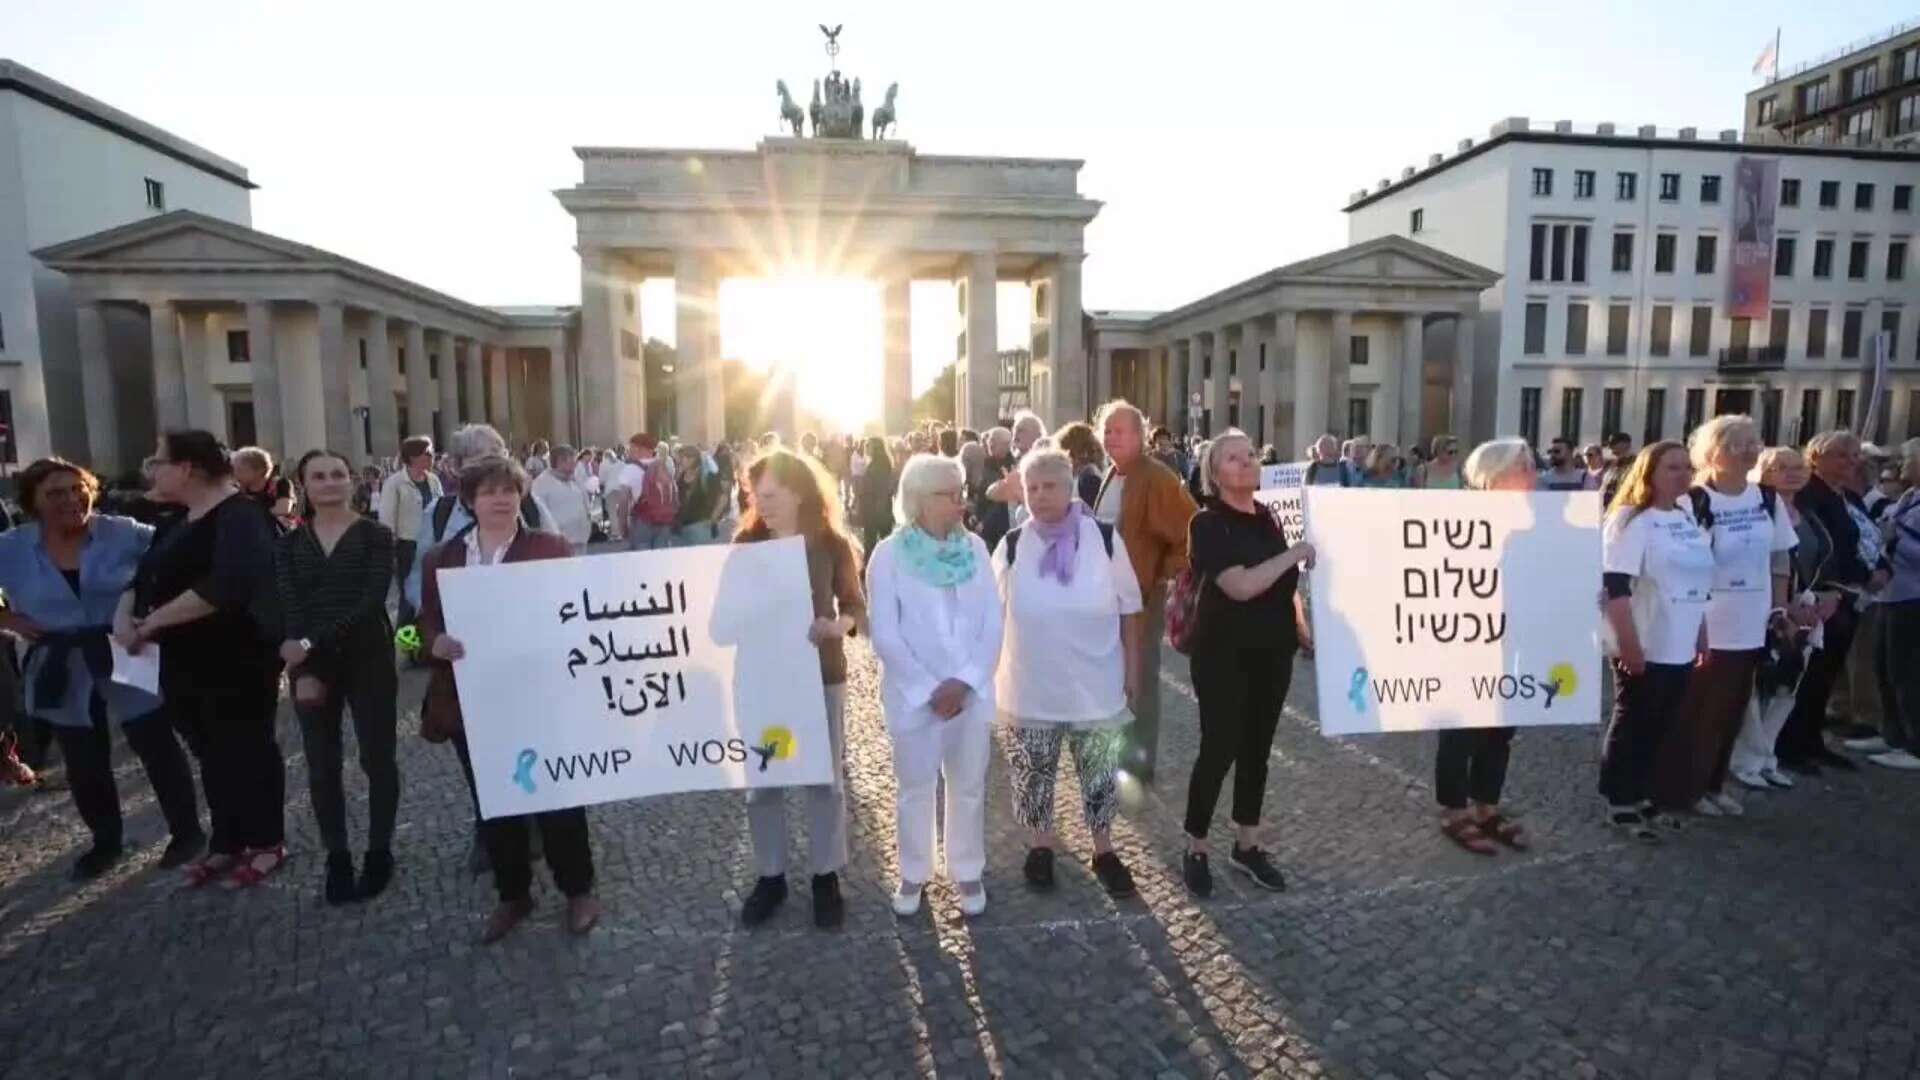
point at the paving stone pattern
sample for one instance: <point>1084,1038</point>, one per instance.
<point>1782,944</point>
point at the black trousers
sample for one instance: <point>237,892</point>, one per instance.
<point>1644,707</point>
<point>563,835</point>
<point>1471,763</point>
<point>1241,691</point>
<point>1898,668</point>
<point>403,552</point>
<point>89,755</point>
<point>365,682</point>
<point>231,733</point>
<point>1800,735</point>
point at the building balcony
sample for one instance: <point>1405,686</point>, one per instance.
<point>1743,359</point>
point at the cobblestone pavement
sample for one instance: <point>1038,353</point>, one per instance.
<point>1782,944</point>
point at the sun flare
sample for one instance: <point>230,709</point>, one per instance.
<point>823,332</point>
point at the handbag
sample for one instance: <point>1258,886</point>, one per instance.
<point>1183,610</point>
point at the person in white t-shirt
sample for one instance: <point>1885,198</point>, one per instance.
<point>1657,568</point>
<point>1750,531</point>
<point>566,497</point>
<point>1070,665</point>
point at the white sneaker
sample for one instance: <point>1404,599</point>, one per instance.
<point>1777,778</point>
<point>907,902</point>
<point>1728,805</point>
<point>974,904</point>
<point>1752,782</point>
<point>1896,759</point>
<point>1873,744</point>
<point>1707,807</point>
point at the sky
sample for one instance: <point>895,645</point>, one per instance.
<point>426,137</point>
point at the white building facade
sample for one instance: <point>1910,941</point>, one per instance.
<point>1612,312</point>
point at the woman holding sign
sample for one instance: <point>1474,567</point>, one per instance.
<point>1244,638</point>
<point>493,487</point>
<point>1657,570</point>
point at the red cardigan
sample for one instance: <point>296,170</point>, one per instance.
<point>440,717</point>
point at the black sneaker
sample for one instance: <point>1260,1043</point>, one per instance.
<point>375,873</point>
<point>182,850</point>
<point>829,910</point>
<point>767,896</point>
<point>1254,863</point>
<point>1193,868</point>
<point>1039,868</point>
<point>1113,875</point>
<point>96,861</point>
<point>340,888</point>
<point>1634,824</point>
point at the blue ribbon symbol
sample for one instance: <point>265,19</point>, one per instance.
<point>523,769</point>
<point>1357,692</point>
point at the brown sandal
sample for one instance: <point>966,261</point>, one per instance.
<point>1466,833</point>
<point>1505,830</point>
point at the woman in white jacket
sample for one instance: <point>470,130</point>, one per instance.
<point>936,619</point>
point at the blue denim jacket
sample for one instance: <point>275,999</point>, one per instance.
<point>36,590</point>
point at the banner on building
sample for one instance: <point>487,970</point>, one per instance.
<point>1280,493</point>
<point>1756,187</point>
<point>643,673</point>
<point>1454,609</point>
<point>1873,382</point>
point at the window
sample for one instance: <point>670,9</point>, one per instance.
<point>1906,114</point>
<point>1696,411</point>
<point>3,335</point>
<point>1537,254</point>
<point>1622,252</point>
<point>1813,97</point>
<point>1358,345</point>
<point>1660,339</point>
<point>1583,183</point>
<point>1890,326</point>
<point>1705,246</point>
<point>1557,253</point>
<point>1771,402</point>
<point>1779,324</point>
<point>1359,416</point>
<point>8,452</point>
<point>401,366</point>
<point>1617,316</point>
<point>1578,271</point>
<point>1536,330</point>
<point>1863,196</point>
<point>156,194</point>
<point>1858,127</point>
<point>1861,80</point>
<point>1543,182</point>
<point>1709,190</point>
<point>1829,194</point>
<point>1570,413</point>
<point>1417,220</point>
<point>1769,108</point>
<point>1857,260</point>
<point>1663,245</point>
<point>1906,64</point>
<point>1655,427</point>
<point>1816,333</point>
<point>1843,408</point>
<point>1783,256</point>
<point>242,427</point>
<point>1612,405</point>
<point>1896,260</point>
<point>1903,197</point>
<point>238,352</point>
<point>1850,324</point>
<point>1669,187</point>
<point>1823,258</point>
<point>433,365</point>
<point>1576,329</point>
<point>363,354</point>
<point>1700,341</point>
<point>1530,414</point>
<point>1913,414</point>
<point>1626,186</point>
<point>1809,415</point>
<point>1739,335</point>
<point>1789,193</point>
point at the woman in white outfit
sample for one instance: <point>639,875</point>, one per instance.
<point>936,627</point>
<point>1071,662</point>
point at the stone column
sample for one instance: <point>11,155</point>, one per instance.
<point>196,345</point>
<point>476,383</point>
<point>448,389</point>
<point>1310,405</point>
<point>500,410</point>
<point>169,369</point>
<point>1066,342</point>
<point>1340,373</point>
<point>96,387</point>
<point>269,415</point>
<point>383,414</point>
<point>981,410</point>
<point>336,404</point>
<point>1277,388</point>
<point>1462,410</point>
<point>1220,393</point>
<point>1413,383</point>
<point>560,389</point>
<point>896,367</point>
<point>699,405</point>
<point>420,397</point>
<point>1196,388</point>
<point>601,315</point>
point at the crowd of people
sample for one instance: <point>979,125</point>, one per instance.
<point>1012,578</point>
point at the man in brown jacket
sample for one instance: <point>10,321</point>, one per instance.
<point>1151,508</point>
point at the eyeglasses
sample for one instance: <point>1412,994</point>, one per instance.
<point>950,495</point>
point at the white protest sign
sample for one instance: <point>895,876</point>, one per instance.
<point>588,680</point>
<point>1280,493</point>
<point>1454,609</point>
<point>141,671</point>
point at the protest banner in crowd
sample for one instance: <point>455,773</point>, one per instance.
<point>1454,609</point>
<point>641,673</point>
<point>1280,493</point>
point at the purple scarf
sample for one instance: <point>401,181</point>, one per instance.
<point>1063,544</point>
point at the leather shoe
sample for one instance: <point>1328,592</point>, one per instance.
<point>504,918</point>
<point>583,912</point>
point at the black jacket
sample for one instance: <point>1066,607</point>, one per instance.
<point>1821,502</point>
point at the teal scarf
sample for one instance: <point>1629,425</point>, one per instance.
<point>940,563</point>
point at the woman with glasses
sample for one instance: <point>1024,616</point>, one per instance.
<point>1442,471</point>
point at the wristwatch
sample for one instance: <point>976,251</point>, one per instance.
<point>306,644</point>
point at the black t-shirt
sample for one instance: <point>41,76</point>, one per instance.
<point>277,488</point>
<point>425,488</point>
<point>1220,539</point>
<point>227,558</point>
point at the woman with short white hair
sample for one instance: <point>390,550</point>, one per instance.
<point>1071,662</point>
<point>936,617</point>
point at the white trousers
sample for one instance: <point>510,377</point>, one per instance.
<point>959,750</point>
<point>1753,750</point>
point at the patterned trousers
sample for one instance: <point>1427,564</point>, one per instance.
<point>1034,754</point>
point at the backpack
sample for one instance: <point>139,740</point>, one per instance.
<point>1012,541</point>
<point>659,498</point>
<point>1703,506</point>
<point>1183,609</point>
<point>443,513</point>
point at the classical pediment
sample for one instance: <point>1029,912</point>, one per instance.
<point>1387,260</point>
<point>175,239</point>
